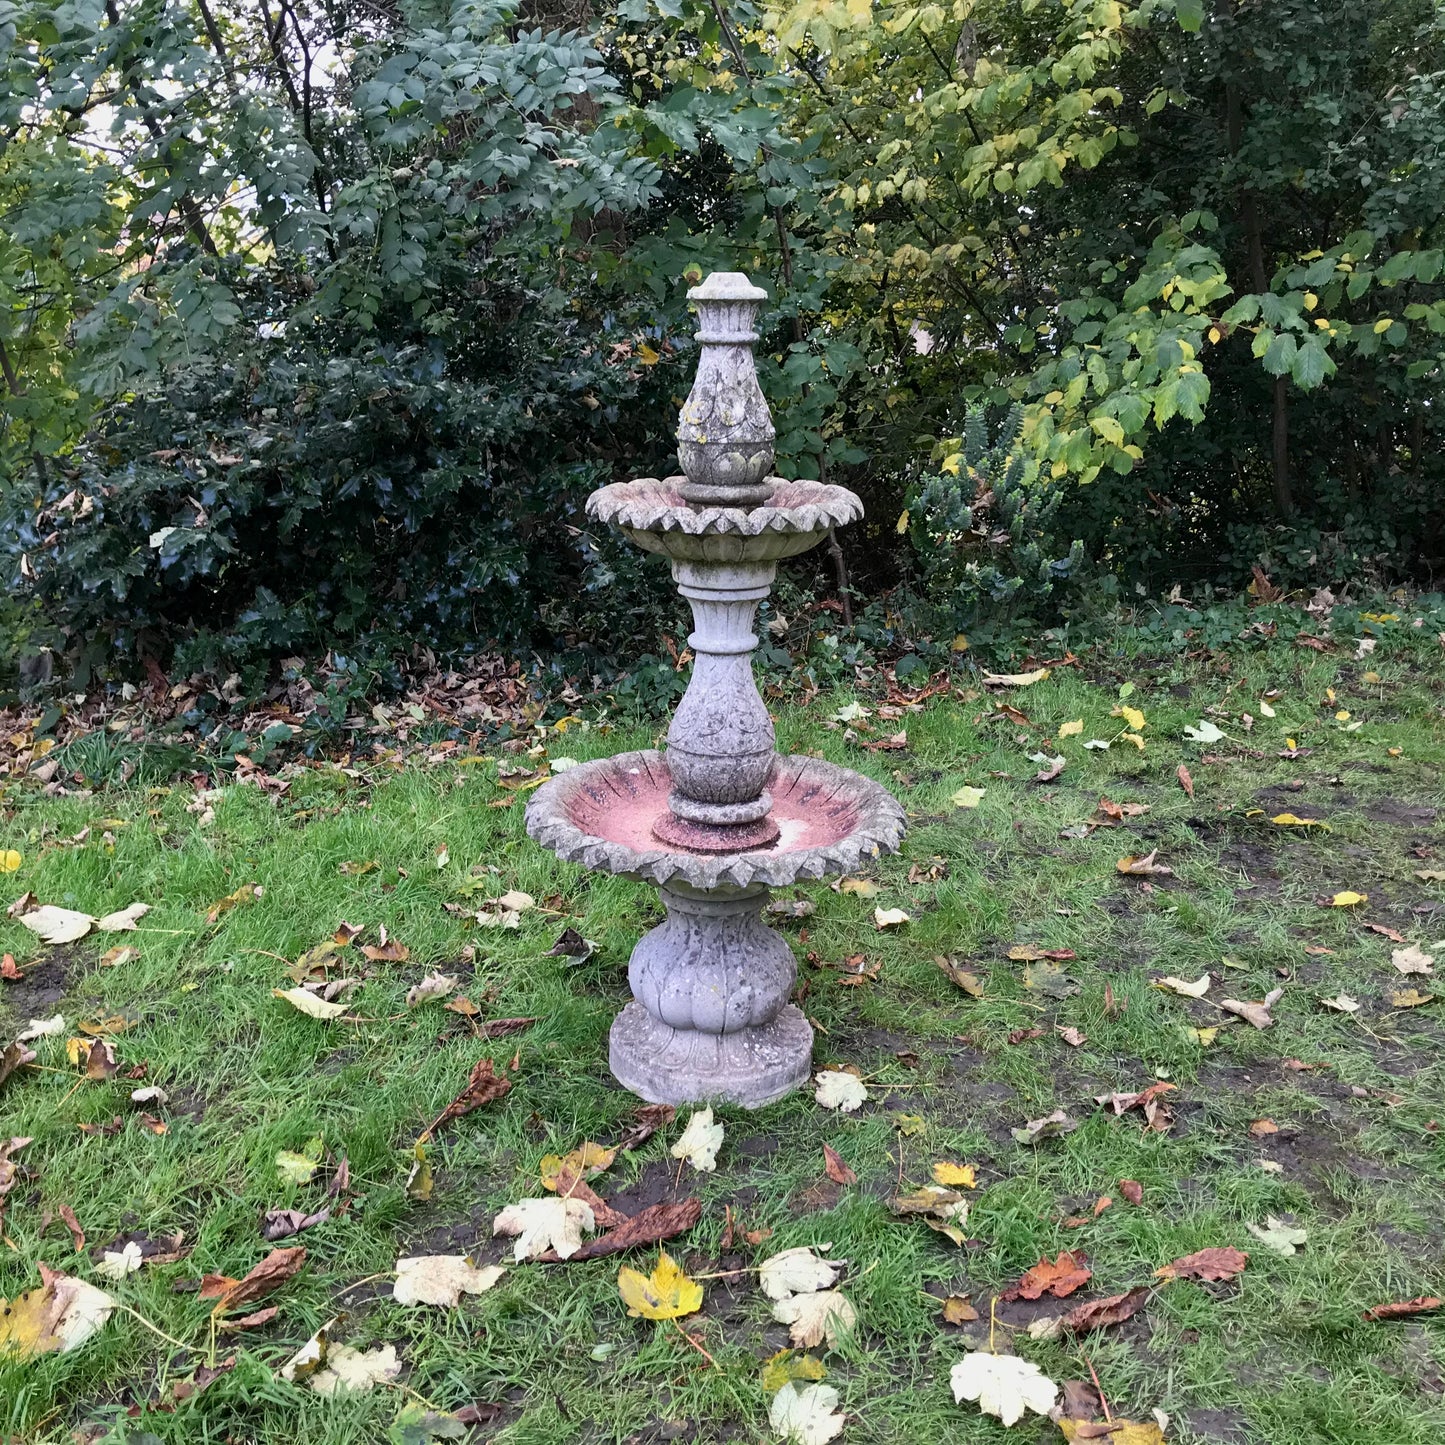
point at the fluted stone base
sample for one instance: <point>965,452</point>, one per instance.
<point>751,1067</point>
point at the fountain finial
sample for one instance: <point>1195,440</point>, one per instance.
<point>725,434</point>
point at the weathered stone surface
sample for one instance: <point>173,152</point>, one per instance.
<point>720,818</point>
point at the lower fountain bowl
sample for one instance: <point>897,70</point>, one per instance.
<point>602,814</point>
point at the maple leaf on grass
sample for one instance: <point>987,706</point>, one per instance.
<point>665,1294</point>
<point>806,1414</point>
<point>840,1090</point>
<point>1101,1314</point>
<point>1058,1277</point>
<point>1398,1309</point>
<point>1207,1264</point>
<point>1257,1014</point>
<point>587,1161</point>
<point>1004,1386</point>
<point>1051,1126</point>
<point>59,1316</point>
<point>797,1271</point>
<point>441,1279</point>
<point>545,1224</point>
<point>825,1314</point>
<point>1277,1236</point>
<point>700,1142</point>
<point>352,1371</point>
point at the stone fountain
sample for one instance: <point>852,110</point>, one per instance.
<point>720,818</point>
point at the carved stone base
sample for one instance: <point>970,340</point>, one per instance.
<point>751,1067</point>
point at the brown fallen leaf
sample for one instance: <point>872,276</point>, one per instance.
<point>1132,1190</point>
<point>1071,1035</point>
<point>204,1375</point>
<point>283,1223</point>
<point>1117,812</point>
<point>1255,1013</point>
<point>246,893</point>
<point>958,1310</point>
<point>649,1226</point>
<point>1156,1114</point>
<point>8,971</point>
<point>249,1322</point>
<point>1185,781</point>
<point>272,1272</point>
<point>1385,931</point>
<point>650,1118</point>
<point>483,1085</point>
<point>1023,1036</point>
<point>67,1214</point>
<point>389,952</point>
<point>1145,866</point>
<point>1263,1128</point>
<point>9,1169</point>
<point>102,1130</point>
<point>1208,1264</point>
<point>835,1168</point>
<point>1058,1277</point>
<point>100,1062</point>
<point>1400,1308</point>
<point>1101,1314</point>
<point>970,983</point>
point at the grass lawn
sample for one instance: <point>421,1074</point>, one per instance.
<point>1351,1152</point>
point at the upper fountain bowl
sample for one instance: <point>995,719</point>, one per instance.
<point>794,518</point>
<point>601,814</point>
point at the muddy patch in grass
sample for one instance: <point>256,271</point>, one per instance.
<point>1400,814</point>
<point>46,977</point>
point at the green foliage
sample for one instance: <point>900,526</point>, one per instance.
<point>985,529</point>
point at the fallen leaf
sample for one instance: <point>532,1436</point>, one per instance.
<point>806,1414</point>
<point>1101,1314</point>
<point>1132,1190</point>
<point>650,1118</point>
<point>560,1175</point>
<point>1208,1264</point>
<point>1015,679</point>
<point>889,918</point>
<point>653,1225</point>
<point>1115,1431</point>
<point>441,1279</point>
<point>573,947</point>
<point>1185,781</point>
<point>8,970</point>
<point>311,1004</point>
<point>968,797</point>
<point>1145,866</point>
<point>1117,812</point>
<point>835,1167</point>
<point>284,1223</point>
<point>797,1271</point>
<point>539,1225</point>
<point>1400,1308</point>
<point>1410,998</point>
<point>1148,1101</point>
<point>57,925</point>
<point>483,1085</point>
<point>955,1176</point>
<point>861,887</point>
<point>123,921</point>
<point>41,1029</point>
<point>58,1316</point>
<point>958,1310</point>
<point>246,893</point>
<point>272,1272</point>
<point>1412,960</point>
<point>1051,1126</point>
<point>1430,875</point>
<point>1277,1236</point>
<point>841,1091</point>
<point>941,1209</point>
<point>1255,1013</point>
<point>1003,1385</point>
<point>700,1142</point>
<point>1341,1003</point>
<point>1348,898</point>
<point>10,860</point>
<point>297,1167</point>
<point>1197,989</point>
<point>351,1371</point>
<point>665,1294</point>
<point>815,1317</point>
<point>116,1264</point>
<point>1206,732</point>
<point>435,985</point>
<point>970,983</point>
<point>1049,979</point>
<point>1058,1277</point>
<point>391,951</point>
<point>1051,769</point>
<point>1263,1128</point>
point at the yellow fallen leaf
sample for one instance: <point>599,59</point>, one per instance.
<point>583,1163</point>
<point>1197,989</point>
<point>1410,998</point>
<point>1348,898</point>
<point>10,860</point>
<point>1132,716</point>
<point>889,918</point>
<point>968,797</point>
<point>1265,710</point>
<point>1343,715</point>
<point>1135,739</point>
<point>955,1175</point>
<point>1292,820</point>
<point>960,644</point>
<point>861,886</point>
<point>1016,679</point>
<point>55,1318</point>
<point>311,1003</point>
<point>1071,729</point>
<point>902,525</point>
<point>1204,1037</point>
<point>665,1294</point>
<point>1121,1432</point>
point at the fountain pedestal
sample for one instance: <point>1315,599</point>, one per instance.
<point>720,818</point>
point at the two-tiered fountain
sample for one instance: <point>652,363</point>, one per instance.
<point>719,818</point>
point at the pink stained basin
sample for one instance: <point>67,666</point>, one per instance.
<point>600,814</point>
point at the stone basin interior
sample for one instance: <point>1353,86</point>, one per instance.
<point>785,494</point>
<point>620,805</point>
